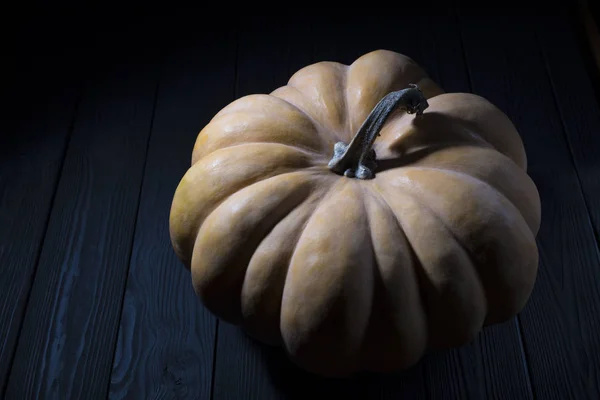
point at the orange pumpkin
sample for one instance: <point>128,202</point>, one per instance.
<point>359,216</point>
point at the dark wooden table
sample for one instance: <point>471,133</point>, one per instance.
<point>99,120</point>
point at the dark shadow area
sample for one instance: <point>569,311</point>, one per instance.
<point>407,159</point>
<point>292,382</point>
<point>47,60</point>
<point>576,15</point>
<point>433,131</point>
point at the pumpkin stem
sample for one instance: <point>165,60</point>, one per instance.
<point>358,159</point>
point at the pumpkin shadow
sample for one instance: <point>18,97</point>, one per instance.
<point>292,382</point>
<point>409,158</point>
<point>432,132</point>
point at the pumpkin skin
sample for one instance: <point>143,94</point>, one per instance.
<point>346,274</point>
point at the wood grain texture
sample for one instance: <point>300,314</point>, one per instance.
<point>70,328</point>
<point>587,16</point>
<point>39,103</point>
<point>577,105</point>
<point>166,338</point>
<point>562,312</point>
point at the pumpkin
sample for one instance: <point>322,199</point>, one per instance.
<point>359,216</point>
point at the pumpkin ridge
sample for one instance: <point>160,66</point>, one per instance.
<point>487,284</point>
<point>490,123</point>
<point>534,228</point>
<point>196,159</point>
<point>444,224</point>
<point>416,262</point>
<point>343,87</point>
<point>375,270</point>
<point>256,317</point>
<point>346,130</point>
<point>226,280</point>
<point>290,336</point>
<point>400,134</point>
<point>251,118</point>
<point>275,94</point>
<point>389,346</point>
<point>328,106</point>
<point>250,184</point>
<point>313,153</point>
<point>377,73</point>
<point>399,160</point>
<point>326,195</point>
<point>469,127</point>
<point>238,105</point>
<point>451,233</point>
<point>380,308</point>
<point>183,230</point>
<point>236,141</point>
<point>467,133</point>
<point>324,131</point>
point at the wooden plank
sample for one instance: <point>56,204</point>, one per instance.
<point>70,328</point>
<point>560,321</point>
<point>166,338</point>
<point>587,17</point>
<point>41,101</point>
<point>576,103</point>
